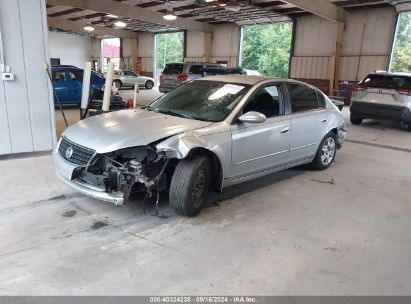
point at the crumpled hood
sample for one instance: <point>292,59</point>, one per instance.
<point>128,128</point>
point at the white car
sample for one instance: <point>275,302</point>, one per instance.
<point>130,79</point>
<point>382,95</point>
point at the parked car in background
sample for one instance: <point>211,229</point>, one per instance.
<point>382,95</point>
<point>130,79</point>
<point>68,84</point>
<point>252,72</point>
<point>175,74</point>
<point>206,134</point>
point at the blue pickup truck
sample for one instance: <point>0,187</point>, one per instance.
<point>68,84</point>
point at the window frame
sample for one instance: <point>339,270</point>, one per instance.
<point>281,97</point>
<point>288,98</point>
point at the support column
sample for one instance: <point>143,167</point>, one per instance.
<point>207,46</point>
<point>335,57</point>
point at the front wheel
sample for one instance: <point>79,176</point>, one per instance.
<point>326,152</point>
<point>190,185</point>
<point>355,120</point>
<point>149,85</point>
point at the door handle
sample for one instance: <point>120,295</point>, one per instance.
<point>324,120</point>
<point>285,130</point>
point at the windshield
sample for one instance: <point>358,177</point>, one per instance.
<point>387,82</point>
<point>201,100</point>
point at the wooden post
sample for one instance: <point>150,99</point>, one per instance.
<point>335,57</point>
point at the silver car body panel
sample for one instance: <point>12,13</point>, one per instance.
<point>245,151</point>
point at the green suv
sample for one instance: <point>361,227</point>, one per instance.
<point>130,79</point>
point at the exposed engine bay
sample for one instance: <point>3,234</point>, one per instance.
<point>139,169</point>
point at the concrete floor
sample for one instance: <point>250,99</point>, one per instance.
<point>343,231</point>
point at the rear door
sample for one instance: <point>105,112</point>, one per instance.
<point>195,71</point>
<point>309,119</point>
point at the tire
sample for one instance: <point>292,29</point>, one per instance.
<point>190,185</point>
<point>355,120</point>
<point>149,85</point>
<point>326,152</point>
<point>408,127</point>
<point>118,84</point>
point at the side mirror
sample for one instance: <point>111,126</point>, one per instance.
<point>253,117</point>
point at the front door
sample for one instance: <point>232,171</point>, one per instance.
<point>258,147</point>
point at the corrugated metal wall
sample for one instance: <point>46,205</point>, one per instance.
<point>366,45</point>
<point>26,108</point>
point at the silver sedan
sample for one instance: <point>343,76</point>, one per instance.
<point>204,135</point>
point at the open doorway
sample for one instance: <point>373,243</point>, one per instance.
<point>110,52</point>
<point>168,47</point>
<point>401,52</point>
<point>266,48</point>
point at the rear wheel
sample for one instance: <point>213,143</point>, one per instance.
<point>149,85</point>
<point>408,126</point>
<point>190,185</point>
<point>355,120</point>
<point>326,152</point>
<point>118,84</point>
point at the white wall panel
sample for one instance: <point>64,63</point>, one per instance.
<point>314,36</point>
<point>226,42</point>
<point>195,44</point>
<point>366,46</point>
<point>71,49</point>
<point>26,102</point>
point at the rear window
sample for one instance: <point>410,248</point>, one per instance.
<point>387,82</point>
<point>173,68</point>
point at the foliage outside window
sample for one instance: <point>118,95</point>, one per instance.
<point>401,60</point>
<point>266,48</point>
<point>169,48</point>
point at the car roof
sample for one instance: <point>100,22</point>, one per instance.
<point>384,73</point>
<point>246,79</point>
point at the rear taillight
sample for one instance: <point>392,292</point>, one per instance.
<point>182,77</point>
<point>405,92</point>
<point>161,75</point>
<point>359,88</point>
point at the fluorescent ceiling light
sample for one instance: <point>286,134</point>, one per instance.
<point>112,16</point>
<point>120,24</point>
<point>222,4</point>
<point>170,16</point>
<point>209,0</point>
<point>89,28</point>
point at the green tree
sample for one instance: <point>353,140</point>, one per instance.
<point>266,48</point>
<point>402,50</point>
<point>169,48</point>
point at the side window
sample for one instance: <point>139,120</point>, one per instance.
<point>76,75</point>
<point>266,101</point>
<point>129,73</point>
<point>58,75</point>
<point>302,98</point>
<point>196,69</point>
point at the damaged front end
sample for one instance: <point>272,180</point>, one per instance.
<point>113,176</point>
<point>139,169</point>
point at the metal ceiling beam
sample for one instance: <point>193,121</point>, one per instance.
<point>78,27</point>
<point>133,12</point>
<point>322,8</point>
